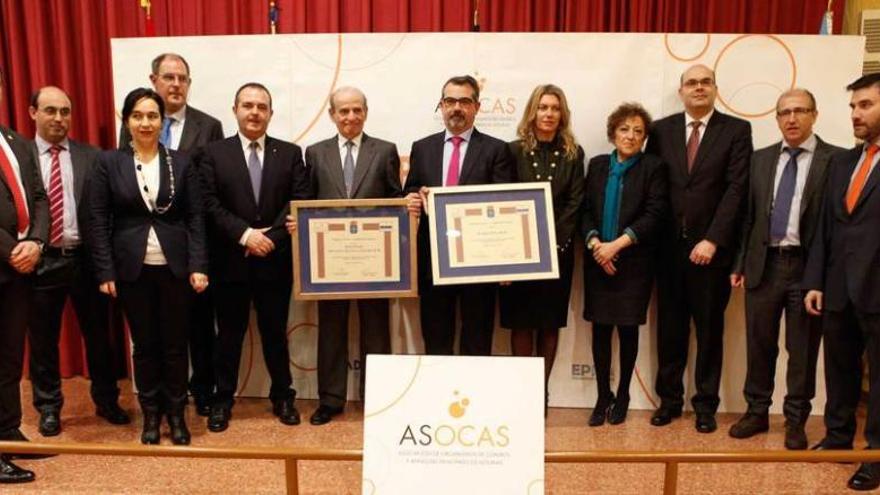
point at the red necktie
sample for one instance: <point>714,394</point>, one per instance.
<point>56,199</point>
<point>858,182</point>
<point>17,193</point>
<point>693,144</point>
<point>454,161</point>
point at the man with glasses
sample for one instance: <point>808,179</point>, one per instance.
<point>65,271</point>
<point>708,157</point>
<point>787,182</point>
<point>459,155</point>
<point>186,128</point>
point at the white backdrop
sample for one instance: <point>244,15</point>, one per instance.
<point>402,75</point>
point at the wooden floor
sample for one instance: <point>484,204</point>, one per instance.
<point>254,425</point>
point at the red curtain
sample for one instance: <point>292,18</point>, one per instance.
<point>67,42</point>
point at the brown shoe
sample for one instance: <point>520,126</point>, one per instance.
<point>749,425</point>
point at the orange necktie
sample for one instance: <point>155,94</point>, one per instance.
<point>858,182</point>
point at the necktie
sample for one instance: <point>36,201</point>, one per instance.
<point>693,143</point>
<point>255,170</point>
<point>21,212</point>
<point>165,137</point>
<point>784,195</point>
<point>348,168</point>
<point>858,182</point>
<point>454,161</point>
<point>56,198</point>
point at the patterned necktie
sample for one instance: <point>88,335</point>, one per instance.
<point>858,182</point>
<point>454,161</point>
<point>693,144</point>
<point>21,212</point>
<point>784,195</point>
<point>165,137</point>
<point>255,170</point>
<point>348,168</point>
<point>56,198</point>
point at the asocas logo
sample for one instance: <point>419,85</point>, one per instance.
<point>456,433</point>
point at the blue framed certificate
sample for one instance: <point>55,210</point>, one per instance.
<point>492,233</point>
<point>352,249</point>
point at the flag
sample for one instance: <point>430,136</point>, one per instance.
<point>149,27</point>
<point>475,24</point>
<point>827,26</point>
<point>273,16</point>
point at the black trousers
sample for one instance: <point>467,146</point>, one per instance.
<point>232,304</point>
<point>687,291</point>
<point>333,344</point>
<point>15,296</point>
<point>780,291</point>
<point>437,314</point>
<point>157,306</point>
<point>58,278</point>
<point>848,334</point>
<point>202,335</point>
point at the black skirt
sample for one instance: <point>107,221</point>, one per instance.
<point>539,303</point>
<point>621,299</point>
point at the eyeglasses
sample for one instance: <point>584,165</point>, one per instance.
<point>171,78</point>
<point>797,111</point>
<point>450,102</point>
<point>693,83</point>
<point>53,111</point>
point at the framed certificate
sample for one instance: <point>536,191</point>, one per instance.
<point>354,248</point>
<point>493,233</point>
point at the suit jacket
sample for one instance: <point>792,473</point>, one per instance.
<point>844,259</point>
<point>119,221</point>
<point>707,202</point>
<point>752,254</point>
<point>35,196</point>
<point>84,159</point>
<point>231,207</point>
<point>488,161</point>
<point>199,129</point>
<point>376,173</point>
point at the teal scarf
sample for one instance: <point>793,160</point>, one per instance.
<point>613,191</point>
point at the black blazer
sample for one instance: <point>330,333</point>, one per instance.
<point>119,220</point>
<point>644,203</point>
<point>752,254</point>
<point>376,173</point>
<point>844,259</point>
<point>35,196</point>
<point>708,202</point>
<point>199,129</point>
<point>231,208</point>
<point>488,161</point>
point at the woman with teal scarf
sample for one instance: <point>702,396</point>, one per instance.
<point>626,200</point>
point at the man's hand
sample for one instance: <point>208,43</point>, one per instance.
<point>737,280</point>
<point>703,252</point>
<point>108,288</point>
<point>813,302</point>
<point>198,281</point>
<point>423,195</point>
<point>290,224</point>
<point>258,244</point>
<point>414,204</point>
<point>24,256</point>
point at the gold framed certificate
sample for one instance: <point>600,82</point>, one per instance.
<point>492,233</point>
<point>354,248</point>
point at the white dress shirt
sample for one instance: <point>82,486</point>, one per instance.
<point>704,120</point>
<point>804,161</point>
<point>71,225</point>
<point>177,126</point>
<point>261,152</point>
<point>447,152</point>
<point>148,176</point>
<point>355,149</point>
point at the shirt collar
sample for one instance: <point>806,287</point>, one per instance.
<point>179,115</point>
<point>43,145</point>
<point>246,143</point>
<point>341,140</point>
<point>466,135</point>
<point>809,145</point>
<point>705,119</point>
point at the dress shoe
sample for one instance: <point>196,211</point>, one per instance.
<point>219,419</point>
<point>600,411</point>
<point>150,435</point>
<point>50,423</point>
<point>17,436</point>
<point>664,415</point>
<point>795,437</point>
<point>10,473</point>
<point>750,425</point>
<point>323,414</point>
<point>203,406</point>
<point>617,414</point>
<point>867,477</point>
<point>112,413</point>
<point>706,423</point>
<point>179,432</point>
<point>286,412</point>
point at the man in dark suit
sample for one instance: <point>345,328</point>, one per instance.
<point>249,181</point>
<point>459,155</point>
<point>64,270</point>
<point>349,165</point>
<point>188,129</point>
<point>708,155</point>
<point>842,279</point>
<point>24,219</point>
<point>787,180</point>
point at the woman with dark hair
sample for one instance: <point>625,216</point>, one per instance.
<point>148,245</point>
<point>626,200</point>
<point>546,151</point>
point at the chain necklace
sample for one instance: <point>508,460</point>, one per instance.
<point>137,158</point>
